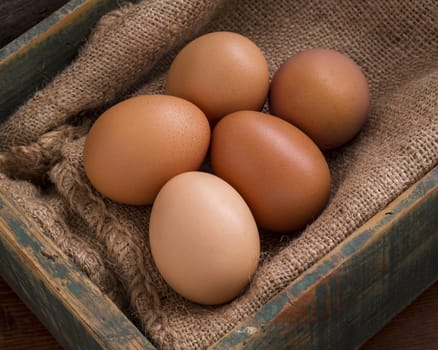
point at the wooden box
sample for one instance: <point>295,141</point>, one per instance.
<point>338,303</point>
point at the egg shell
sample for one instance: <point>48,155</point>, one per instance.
<point>279,171</point>
<point>137,145</point>
<point>220,72</point>
<point>203,238</point>
<point>324,93</point>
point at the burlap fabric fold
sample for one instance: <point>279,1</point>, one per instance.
<point>396,44</point>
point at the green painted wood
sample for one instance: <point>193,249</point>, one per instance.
<point>31,60</point>
<point>355,290</point>
<point>62,297</point>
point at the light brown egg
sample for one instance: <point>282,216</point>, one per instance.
<point>220,72</point>
<point>140,143</point>
<point>322,92</point>
<point>278,170</point>
<point>203,238</point>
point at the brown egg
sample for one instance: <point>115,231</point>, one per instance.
<point>139,144</point>
<point>203,237</point>
<point>322,92</point>
<point>220,72</point>
<point>278,170</point>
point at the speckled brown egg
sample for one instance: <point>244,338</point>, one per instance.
<point>220,72</point>
<point>203,237</point>
<point>137,145</point>
<point>279,171</point>
<point>322,92</point>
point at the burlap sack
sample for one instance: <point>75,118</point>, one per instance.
<point>394,42</point>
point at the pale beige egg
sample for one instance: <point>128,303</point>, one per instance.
<point>203,237</point>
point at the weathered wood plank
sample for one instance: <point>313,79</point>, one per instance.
<point>35,57</point>
<point>17,16</point>
<point>351,293</point>
<point>69,305</point>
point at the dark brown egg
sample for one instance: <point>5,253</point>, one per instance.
<point>278,170</point>
<point>322,92</point>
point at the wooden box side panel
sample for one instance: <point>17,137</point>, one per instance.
<point>64,299</point>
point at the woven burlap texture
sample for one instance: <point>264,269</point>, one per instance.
<point>395,42</point>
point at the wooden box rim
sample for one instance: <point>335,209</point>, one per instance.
<point>388,261</point>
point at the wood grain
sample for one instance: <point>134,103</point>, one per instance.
<point>17,16</point>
